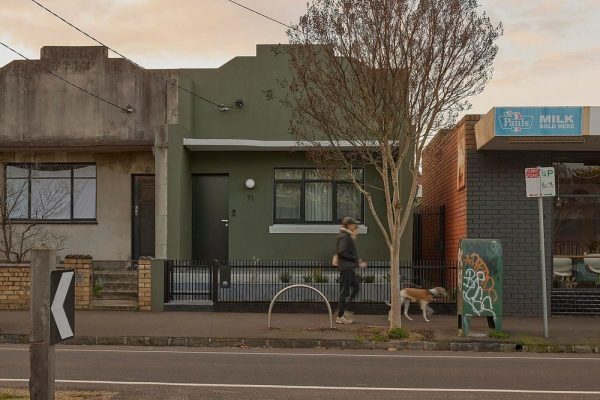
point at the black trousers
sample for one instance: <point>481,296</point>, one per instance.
<point>349,288</point>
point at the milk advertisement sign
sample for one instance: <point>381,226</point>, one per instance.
<point>538,121</point>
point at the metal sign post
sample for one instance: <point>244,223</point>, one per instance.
<point>540,182</point>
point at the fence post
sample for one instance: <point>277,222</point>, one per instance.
<point>157,277</point>
<point>214,293</point>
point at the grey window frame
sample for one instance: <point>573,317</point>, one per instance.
<point>73,165</point>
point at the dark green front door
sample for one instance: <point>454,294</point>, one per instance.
<point>210,217</point>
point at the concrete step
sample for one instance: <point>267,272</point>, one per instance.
<point>114,305</point>
<point>201,305</point>
<point>117,295</point>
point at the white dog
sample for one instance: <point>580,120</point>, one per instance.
<point>423,296</point>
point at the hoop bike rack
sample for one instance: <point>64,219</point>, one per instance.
<point>300,286</point>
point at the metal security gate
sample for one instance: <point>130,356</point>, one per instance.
<point>190,281</point>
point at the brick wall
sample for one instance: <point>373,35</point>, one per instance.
<point>14,286</point>
<point>440,165</point>
<point>144,285</point>
<point>497,208</point>
<point>83,281</point>
<point>15,282</point>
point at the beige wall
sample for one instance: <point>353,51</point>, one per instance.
<point>110,237</point>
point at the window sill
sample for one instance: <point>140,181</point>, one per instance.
<point>311,228</point>
<point>52,222</point>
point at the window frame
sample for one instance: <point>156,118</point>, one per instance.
<point>71,179</point>
<point>302,183</point>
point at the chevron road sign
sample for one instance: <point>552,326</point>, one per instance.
<point>62,305</point>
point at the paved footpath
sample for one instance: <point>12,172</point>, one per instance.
<point>563,330</point>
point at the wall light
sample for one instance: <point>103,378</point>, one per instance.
<point>250,183</point>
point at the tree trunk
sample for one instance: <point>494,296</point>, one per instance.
<point>395,320</point>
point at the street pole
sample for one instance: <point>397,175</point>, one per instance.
<point>543,263</point>
<point>41,352</point>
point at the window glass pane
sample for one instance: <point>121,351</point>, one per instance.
<point>576,225</point>
<point>17,198</point>
<point>51,171</point>
<point>51,199</point>
<point>288,173</point>
<point>314,174</point>
<point>13,171</point>
<point>84,198</point>
<point>349,201</point>
<point>346,175</point>
<point>318,202</point>
<point>84,171</point>
<point>578,178</point>
<point>287,201</point>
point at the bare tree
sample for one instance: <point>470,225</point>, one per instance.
<point>18,233</point>
<point>373,79</point>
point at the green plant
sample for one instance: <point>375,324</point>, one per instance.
<point>369,279</point>
<point>316,276</point>
<point>379,337</point>
<point>397,333</point>
<point>97,288</point>
<point>499,335</point>
<point>285,277</point>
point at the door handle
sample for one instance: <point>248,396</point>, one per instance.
<point>225,220</point>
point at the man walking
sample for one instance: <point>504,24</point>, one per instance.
<point>347,260</point>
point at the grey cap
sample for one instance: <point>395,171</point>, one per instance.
<point>349,221</point>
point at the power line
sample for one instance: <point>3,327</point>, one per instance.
<point>261,14</point>
<point>125,58</point>
<point>127,110</point>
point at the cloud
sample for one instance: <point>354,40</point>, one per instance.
<point>188,29</point>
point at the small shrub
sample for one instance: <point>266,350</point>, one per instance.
<point>315,276</point>
<point>369,279</point>
<point>97,289</point>
<point>285,277</point>
<point>379,337</point>
<point>499,335</point>
<point>397,333</point>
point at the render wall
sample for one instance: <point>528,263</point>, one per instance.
<point>38,110</point>
<point>109,238</point>
<point>249,229</point>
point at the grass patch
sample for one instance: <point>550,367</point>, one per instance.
<point>397,333</point>
<point>19,394</point>
<point>498,335</point>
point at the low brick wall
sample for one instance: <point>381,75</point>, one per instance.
<point>83,281</point>
<point>144,285</point>
<point>14,286</point>
<point>15,282</point>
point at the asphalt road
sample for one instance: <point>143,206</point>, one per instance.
<point>182,373</point>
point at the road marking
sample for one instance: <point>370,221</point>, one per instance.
<point>301,387</point>
<point>340,355</point>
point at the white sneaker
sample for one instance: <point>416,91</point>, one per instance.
<point>343,320</point>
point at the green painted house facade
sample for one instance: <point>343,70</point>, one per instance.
<point>237,184</point>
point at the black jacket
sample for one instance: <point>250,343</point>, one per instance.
<point>346,252</point>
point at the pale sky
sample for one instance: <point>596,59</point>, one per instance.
<point>549,54</point>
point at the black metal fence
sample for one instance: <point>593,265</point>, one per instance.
<point>257,281</point>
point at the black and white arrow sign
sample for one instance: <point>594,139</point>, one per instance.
<point>62,305</point>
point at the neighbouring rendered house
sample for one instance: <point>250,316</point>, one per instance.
<point>477,171</point>
<point>81,168</point>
